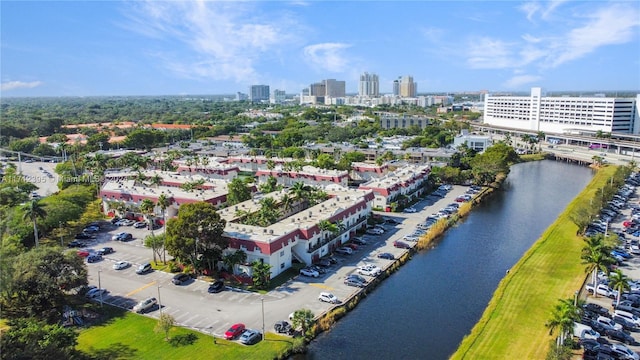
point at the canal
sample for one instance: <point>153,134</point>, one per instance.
<point>424,310</point>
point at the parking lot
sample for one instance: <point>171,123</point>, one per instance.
<point>630,267</point>
<point>191,304</point>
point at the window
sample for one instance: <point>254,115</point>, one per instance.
<point>281,265</point>
<point>282,253</point>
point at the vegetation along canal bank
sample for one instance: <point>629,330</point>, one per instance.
<point>513,324</point>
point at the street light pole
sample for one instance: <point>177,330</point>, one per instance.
<point>159,301</point>
<point>262,301</point>
<point>100,286</point>
<point>575,298</point>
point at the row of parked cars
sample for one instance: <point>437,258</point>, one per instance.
<point>596,323</point>
<point>244,335</point>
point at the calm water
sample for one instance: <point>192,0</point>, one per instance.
<point>424,310</point>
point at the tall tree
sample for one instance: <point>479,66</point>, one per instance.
<point>197,227</point>
<point>596,254</point>
<point>32,339</point>
<point>564,314</point>
<point>37,283</point>
<point>619,282</point>
<point>261,275</point>
<point>34,210</point>
<point>238,191</point>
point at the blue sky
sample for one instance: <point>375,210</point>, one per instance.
<point>91,48</point>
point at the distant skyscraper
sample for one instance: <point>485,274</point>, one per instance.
<point>334,88</point>
<point>369,85</point>
<point>258,93</point>
<point>278,96</point>
<point>408,88</point>
<point>396,87</point>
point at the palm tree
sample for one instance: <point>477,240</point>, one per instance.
<point>563,316</point>
<point>156,180</point>
<point>326,225</point>
<point>619,282</point>
<point>596,255</point>
<point>33,211</point>
<point>147,207</point>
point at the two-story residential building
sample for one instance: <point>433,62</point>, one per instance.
<point>298,235</point>
<point>309,175</point>
<point>399,186</point>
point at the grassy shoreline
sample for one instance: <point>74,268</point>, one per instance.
<point>512,325</point>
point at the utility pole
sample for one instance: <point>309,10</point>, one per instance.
<point>61,239</point>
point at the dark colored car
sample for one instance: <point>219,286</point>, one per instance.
<point>94,258</point>
<point>115,220</point>
<point>234,331</point>
<point>323,262</point>
<point>596,309</point>
<point>386,255</point>
<point>105,250</point>
<point>179,279</point>
<point>283,327</point>
<point>144,268</point>
<point>216,286</point>
<point>401,244</point>
<point>76,243</point>
<point>621,336</point>
<point>84,236</point>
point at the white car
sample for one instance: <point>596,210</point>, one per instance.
<point>121,265</point>
<point>624,352</point>
<point>309,272</point>
<point>344,250</point>
<point>369,270</point>
<point>328,297</point>
<point>96,293</point>
<point>145,305</point>
<point>410,210</point>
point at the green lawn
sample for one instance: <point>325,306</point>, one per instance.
<point>512,326</point>
<point>130,336</point>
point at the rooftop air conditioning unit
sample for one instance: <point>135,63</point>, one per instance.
<point>271,231</point>
<point>264,231</point>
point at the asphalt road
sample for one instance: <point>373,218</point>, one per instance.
<point>192,306</point>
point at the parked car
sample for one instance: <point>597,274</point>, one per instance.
<point>94,258</point>
<point>216,287</point>
<point>410,210</point>
<point>250,337</point>
<point>180,278</point>
<point>145,305</point>
<point>328,297</point>
<point>105,250</point>
<point>121,265</point>
<point>76,244</point>
<point>401,244</point>
<point>608,323</point>
<point>309,272</point>
<point>83,253</point>
<point>91,229</point>
<point>344,250</point>
<point>283,327</point>
<point>596,308</point>
<point>357,278</point>
<point>374,231</point>
<point>84,236</point>
<point>324,262</point>
<point>140,224</point>
<point>144,268</point>
<point>353,247</point>
<point>369,270</point>
<point>621,336</point>
<point>353,282</point>
<point>386,255</point>
<point>624,352</point>
<point>123,236</point>
<point>96,293</point>
<point>359,241</point>
<point>234,331</point>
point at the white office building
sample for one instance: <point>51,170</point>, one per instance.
<point>563,114</point>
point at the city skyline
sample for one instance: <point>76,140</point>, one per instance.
<point>179,48</point>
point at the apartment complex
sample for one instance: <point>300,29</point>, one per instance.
<point>407,182</point>
<point>297,234</point>
<point>562,114</point>
<point>309,175</point>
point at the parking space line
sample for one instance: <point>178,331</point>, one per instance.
<point>141,288</point>
<point>321,286</point>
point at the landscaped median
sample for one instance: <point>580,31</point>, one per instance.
<point>513,324</point>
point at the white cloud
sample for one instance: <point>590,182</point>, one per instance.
<point>544,9</point>
<point>12,85</point>
<point>608,25</point>
<point>530,8</point>
<point>328,56</point>
<point>224,40</point>
<point>432,34</point>
<point>488,53</point>
<point>616,24</point>
<point>519,80</point>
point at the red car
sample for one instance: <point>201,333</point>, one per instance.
<point>234,331</point>
<point>353,246</point>
<point>401,245</point>
<point>83,253</point>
